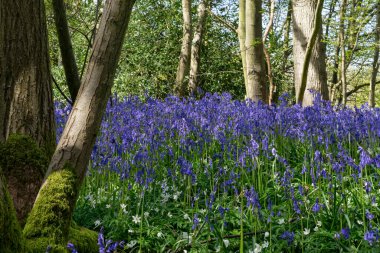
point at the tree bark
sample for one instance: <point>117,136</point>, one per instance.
<point>2,78</point>
<point>184,59</point>
<point>307,19</point>
<point>267,56</point>
<point>67,53</point>
<point>28,94</point>
<point>196,47</point>
<point>27,103</point>
<point>242,36</point>
<point>255,59</point>
<point>375,64</point>
<point>52,211</point>
<point>343,51</point>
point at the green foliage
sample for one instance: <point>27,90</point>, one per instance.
<point>11,239</point>
<point>21,151</point>
<point>50,218</point>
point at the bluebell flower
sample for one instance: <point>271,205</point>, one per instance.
<point>345,232</point>
<point>316,207</point>
<point>70,247</point>
<point>371,236</point>
<point>288,236</point>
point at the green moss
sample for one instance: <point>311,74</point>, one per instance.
<point>39,245</point>
<point>49,220</point>
<point>85,240</point>
<point>11,239</point>
<point>21,151</point>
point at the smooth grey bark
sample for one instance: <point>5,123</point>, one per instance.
<point>375,63</point>
<point>184,59</point>
<point>242,36</point>
<point>67,53</point>
<point>304,21</point>
<point>343,51</point>
<point>196,47</point>
<point>267,56</point>
<point>255,59</point>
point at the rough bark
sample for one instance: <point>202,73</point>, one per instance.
<point>184,59</point>
<point>255,60</point>
<point>70,159</point>
<point>2,78</point>
<point>196,47</point>
<point>241,34</point>
<point>375,64</point>
<point>27,105</point>
<point>28,94</point>
<point>304,13</point>
<point>343,51</point>
<point>67,53</point>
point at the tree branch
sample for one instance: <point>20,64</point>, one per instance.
<point>223,21</point>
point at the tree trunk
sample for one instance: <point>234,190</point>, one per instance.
<point>2,77</point>
<point>196,47</point>
<point>304,13</point>
<point>52,211</point>
<point>27,105</point>
<point>184,59</point>
<point>255,59</point>
<point>267,56</point>
<point>286,52</point>
<point>343,51</point>
<point>241,34</point>
<point>375,64</point>
<point>67,53</point>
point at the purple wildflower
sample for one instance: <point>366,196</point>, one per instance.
<point>288,236</point>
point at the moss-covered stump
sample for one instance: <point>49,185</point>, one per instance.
<point>11,239</point>
<point>49,221</point>
<point>24,165</point>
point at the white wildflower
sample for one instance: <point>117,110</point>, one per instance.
<point>281,221</point>
<point>306,231</point>
<point>131,244</point>
<point>359,222</point>
<point>186,217</point>
<point>226,242</point>
<point>146,214</point>
<point>319,223</point>
<point>97,223</point>
<point>258,248</point>
<point>108,206</point>
<point>170,215</point>
<point>160,234</point>
<point>136,219</point>
<point>265,244</point>
<point>266,234</point>
<point>316,228</point>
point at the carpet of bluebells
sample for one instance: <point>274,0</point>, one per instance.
<point>219,175</point>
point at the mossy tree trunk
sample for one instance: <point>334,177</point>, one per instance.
<point>11,239</point>
<point>49,219</point>
<point>25,92</point>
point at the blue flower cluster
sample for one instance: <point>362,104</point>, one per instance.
<point>320,161</point>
